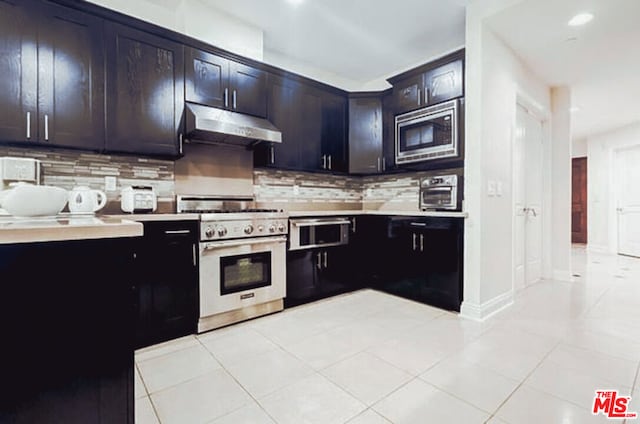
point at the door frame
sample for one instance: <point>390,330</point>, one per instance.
<point>543,115</point>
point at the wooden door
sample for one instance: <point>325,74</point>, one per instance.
<point>71,79</point>
<point>145,83</point>
<point>248,90</point>
<point>206,78</point>
<point>19,70</point>
<point>579,200</point>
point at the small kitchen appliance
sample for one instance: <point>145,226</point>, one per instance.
<point>138,199</point>
<point>14,170</point>
<point>84,200</point>
<point>441,192</point>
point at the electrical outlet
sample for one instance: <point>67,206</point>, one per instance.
<point>296,189</point>
<point>110,183</point>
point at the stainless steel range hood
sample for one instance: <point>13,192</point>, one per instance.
<point>207,124</point>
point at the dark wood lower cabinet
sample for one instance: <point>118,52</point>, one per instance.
<point>318,273</point>
<point>419,258</point>
<point>66,319</point>
<point>167,282</point>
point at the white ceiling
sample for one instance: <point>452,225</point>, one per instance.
<point>359,40</point>
<point>602,64</point>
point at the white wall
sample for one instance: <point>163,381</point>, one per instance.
<point>195,19</point>
<point>495,78</point>
<point>602,218</point>
<point>579,148</point>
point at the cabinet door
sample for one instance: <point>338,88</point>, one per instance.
<point>19,70</point>
<point>365,135</point>
<point>388,134</point>
<point>307,117</point>
<point>145,91</point>
<point>335,270</point>
<point>206,78</point>
<point>444,82</point>
<point>408,94</point>
<point>334,135</point>
<point>248,90</point>
<point>167,282</point>
<point>71,79</point>
<point>301,277</point>
<point>281,107</point>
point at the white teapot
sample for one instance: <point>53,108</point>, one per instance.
<point>82,199</point>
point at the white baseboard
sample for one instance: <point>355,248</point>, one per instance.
<point>562,275</point>
<point>481,312</point>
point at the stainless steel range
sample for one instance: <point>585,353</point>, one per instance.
<point>242,259</point>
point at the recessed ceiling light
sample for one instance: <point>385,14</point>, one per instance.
<point>580,19</point>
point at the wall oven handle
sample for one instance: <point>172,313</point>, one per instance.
<point>245,242</point>
<point>319,222</point>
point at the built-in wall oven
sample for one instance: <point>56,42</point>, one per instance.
<point>428,134</point>
<point>308,233</point>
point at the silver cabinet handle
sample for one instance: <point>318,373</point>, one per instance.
<point>195,260</point>
<point>28,125</point>
<point>235,104</point>
<point>384,164</point>
<point>329,161</point>
<point>170,232</point>
<point>319,260</point>
<point>422,242</point>
<point>419,100</point>
<point>378,164</point>
<point>353,224</point>
<point>46,127</point>
<point>324,161</point>
<point>180,141</point>
<point>325,259</point>
<point>415,244</point>
<point>226,97</point>
<point>426,94</point>
<point>273,155</point>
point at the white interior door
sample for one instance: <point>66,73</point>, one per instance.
<point>527,198</point>
<point>628,166</point>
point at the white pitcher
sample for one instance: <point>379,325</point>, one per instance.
<point>82,199</point>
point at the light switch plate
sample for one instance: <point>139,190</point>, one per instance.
<point>491,188</point>
<point>499,188</point>
<point>110,183</point>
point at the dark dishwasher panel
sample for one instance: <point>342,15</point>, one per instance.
<point>167,281</point>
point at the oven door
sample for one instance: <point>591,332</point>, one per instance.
<point>238,273</point>
<point>427,134</point>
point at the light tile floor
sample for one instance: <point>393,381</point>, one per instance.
<point>368,357</point>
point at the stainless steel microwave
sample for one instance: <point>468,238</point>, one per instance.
<point>318,232</point>
<point>430,133</point>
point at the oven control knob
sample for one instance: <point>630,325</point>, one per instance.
<point>209,232</point>
<point>222,231</point>
<point>281,228</point>
<point>272,228</point>
<point>260,228</point>
<point>248,229</point>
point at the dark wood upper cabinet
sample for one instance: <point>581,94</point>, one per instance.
<point>307,114</point>
<point>388,133</point>
<point>408,94</point>
<point>19,70</point>
<point>215,81</point>
<point>334,133</point>
<point>206,77</point>
<point>444,82</point>
<point>248,89</point>
<point>71,79</point>
<point>365,135</point>
<point>145,91</point>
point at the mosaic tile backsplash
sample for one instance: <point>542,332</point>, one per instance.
<point>68,168</point>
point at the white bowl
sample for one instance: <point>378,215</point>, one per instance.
<point>34,200</point>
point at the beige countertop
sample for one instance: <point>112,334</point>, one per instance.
<point>65,227</point>
<point>294,214</point>
<point>142,217</point>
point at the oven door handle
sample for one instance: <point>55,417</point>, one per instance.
<point>244,242</point>
<point>319,222</point>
